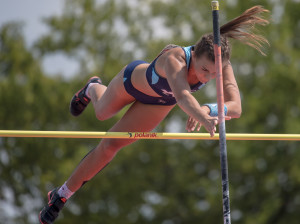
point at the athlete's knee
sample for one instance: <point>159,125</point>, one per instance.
<point>101,115</point>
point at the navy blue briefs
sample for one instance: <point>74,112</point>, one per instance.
<point>138,95</point>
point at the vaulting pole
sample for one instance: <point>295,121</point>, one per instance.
<point>221,114</point>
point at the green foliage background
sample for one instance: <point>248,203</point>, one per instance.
<point>163,181</point>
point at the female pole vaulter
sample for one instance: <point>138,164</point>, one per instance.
<point>153,90</point>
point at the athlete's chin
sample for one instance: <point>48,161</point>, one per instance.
<point>205,80</point>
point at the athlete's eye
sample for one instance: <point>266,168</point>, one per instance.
<point>204,69</point>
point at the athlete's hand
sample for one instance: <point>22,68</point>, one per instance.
<point>192,124</point>
<point>210,124</point>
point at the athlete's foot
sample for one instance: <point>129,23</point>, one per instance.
<point>50,212</point>
<point>80,100</point>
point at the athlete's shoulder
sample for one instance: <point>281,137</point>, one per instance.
<point>171,53</point>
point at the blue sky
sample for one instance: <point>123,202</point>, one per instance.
<point>31,13</point>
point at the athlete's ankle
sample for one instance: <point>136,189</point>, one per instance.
<point>65,192</point>
<point>88,88</point>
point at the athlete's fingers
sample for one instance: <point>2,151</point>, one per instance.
<point>227,118</point>
<point>199,126</point>
<point>190,125</point>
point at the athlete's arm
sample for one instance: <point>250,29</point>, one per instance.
<point>175,70</point>
<point>232,97</point>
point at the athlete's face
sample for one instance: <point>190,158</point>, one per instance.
<point>204,69</point>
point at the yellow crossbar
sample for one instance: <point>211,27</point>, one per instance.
<point>145,135</point>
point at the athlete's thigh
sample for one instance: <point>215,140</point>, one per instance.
<point>139,118</point>
<point>114,98</point>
